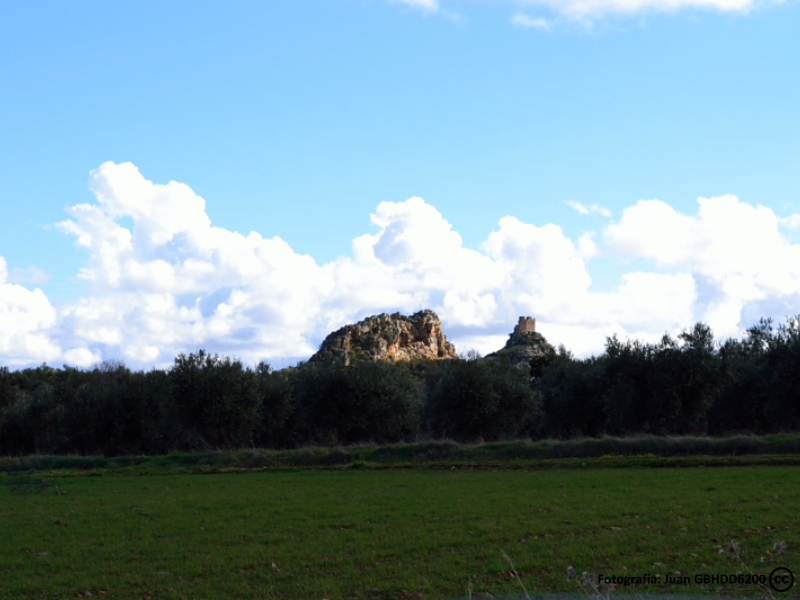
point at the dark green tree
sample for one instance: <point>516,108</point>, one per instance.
<point>277,406</point>
<point>782,370</point>
<point>482,400</point>
<point>365,401</point>
<point>572,394</point>
<point>216,400</point>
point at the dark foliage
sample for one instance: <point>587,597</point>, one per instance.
<point>480,400</point>
<point>366,401</point>
<point>216,400</point>
<point>277,405</point>
<point>660,388</point>
<point>684,386</point>
<point>572,398</point>
<point>677,387</point>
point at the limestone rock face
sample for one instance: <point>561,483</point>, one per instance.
<point>526,350</point>
<point>389,337</point>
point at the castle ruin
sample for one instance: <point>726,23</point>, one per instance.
<point>525,325</point>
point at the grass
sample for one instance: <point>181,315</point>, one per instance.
<point>390,533</point>
<point>644,451</point>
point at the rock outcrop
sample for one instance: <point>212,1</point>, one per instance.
<point>526,350</point>
<point>390,338</point>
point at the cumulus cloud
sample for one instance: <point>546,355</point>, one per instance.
<point>523,20</point>
<point>735,249</point>
<point>428,5</point>
<point>582,9</point>
<point>590,209</point>
<point>173,282</point>
<point>563,11</point>
<point>30,275</point>
<point>26,318</point>
<point>791,222</point>
<point>587,246</point>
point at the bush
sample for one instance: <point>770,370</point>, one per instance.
<point>277,405</point>
<point>782,370</point>
<point>366,401</point>
<point>121,412</point>
<point>572,399</point>
<point>216,400</point>
<point>482,400</point>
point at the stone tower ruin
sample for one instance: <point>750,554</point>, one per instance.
<point>525,325</point>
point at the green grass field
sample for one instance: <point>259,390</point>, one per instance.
<point>392,533</point>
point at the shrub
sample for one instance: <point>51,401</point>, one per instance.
<point>482,400</point>
<point>365,401</point>
<point>121,412</point>
<point>277,405</point>
<point>782,370</point>
<point>216,399</point>
<point>572,394</point>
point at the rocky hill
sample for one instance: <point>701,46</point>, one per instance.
<point>389,337</point>
<point>526,350</point>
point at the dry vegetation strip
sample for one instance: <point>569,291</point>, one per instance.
<point>387,534</point>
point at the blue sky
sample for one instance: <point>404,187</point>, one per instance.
<point>298,119</point>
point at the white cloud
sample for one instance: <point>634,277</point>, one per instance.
<point>587,247</point>
<point>791,222</point>
<point>736,250</point>
<point>31,275</point>
<point>524,20</point>
<point>586,11</point>
<point>26,318</point>
<point>582,9</point>
<point>177,283</point>
<point>82,357</point>
<point>174,282</point>
<point>428,5</point>
<point>590,209</point>
<point>543,269</point>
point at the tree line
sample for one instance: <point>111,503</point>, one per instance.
<point>684,385</point>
